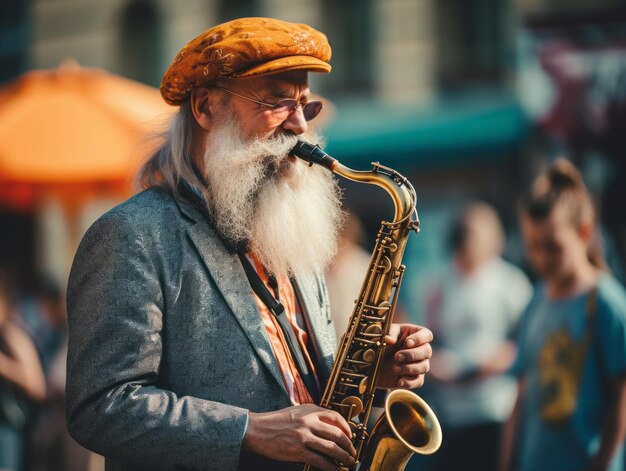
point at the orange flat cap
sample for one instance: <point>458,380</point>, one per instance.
<point>245,47</point>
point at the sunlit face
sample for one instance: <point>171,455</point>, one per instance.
<point>553,245</point>
<point>258,121</point>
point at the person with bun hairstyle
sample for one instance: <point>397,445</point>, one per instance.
<point>571,363</point>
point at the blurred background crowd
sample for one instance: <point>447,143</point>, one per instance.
<point>469,99</point>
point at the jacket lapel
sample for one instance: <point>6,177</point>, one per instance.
<point>318,317</point>
<point>226,270</point>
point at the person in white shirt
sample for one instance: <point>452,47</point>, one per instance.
<point>473,310</point>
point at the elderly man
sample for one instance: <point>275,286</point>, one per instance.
<point>174,361</point>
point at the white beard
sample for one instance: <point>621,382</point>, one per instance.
<point>286,213</point>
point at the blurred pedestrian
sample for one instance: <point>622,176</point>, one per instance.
<point>43,314</point>
<point>21,381</point>
<point>473,311</point>
<point>49,446</point>
<point>571,363</point>
<point>345,275</point>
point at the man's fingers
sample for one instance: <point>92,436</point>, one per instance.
<point>306,433</point>
<point>332,438</point>
<point>420,337</point>
<point>330,449</point>
<point>408,382</point>
<point>409,335</point>
<point>412,355</point>
<point>412,369</point>
<point>334,435</point>
<point>318,461</point>
<point>335,419</point>
<point>392,336</point>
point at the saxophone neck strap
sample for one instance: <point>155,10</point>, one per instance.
<point>278,310</point>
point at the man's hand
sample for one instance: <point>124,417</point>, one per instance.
<point>406,358</point>
<point>305,434</point>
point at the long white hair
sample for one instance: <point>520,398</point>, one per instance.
<point>173,161</point>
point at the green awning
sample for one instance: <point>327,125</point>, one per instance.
<point>453,131</point>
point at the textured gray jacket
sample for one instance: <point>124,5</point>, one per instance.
<point>167,349</point>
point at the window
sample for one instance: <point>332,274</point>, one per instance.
<point>351,32</point>
<point>472,42</point>
<point>141,42</point>
<point>13,38</point>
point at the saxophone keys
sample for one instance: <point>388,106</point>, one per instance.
<point>354,428</point>
<point>357,358</point>
<point>358,362</point>
<point>383,308</point>
<point>364,384</point>
<point>384,266</point>
<point>354,405</point>
<point>374,330</point>
<point>369,355</point>
<point>389,244</point>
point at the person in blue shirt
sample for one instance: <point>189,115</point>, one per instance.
<point>571,364</point>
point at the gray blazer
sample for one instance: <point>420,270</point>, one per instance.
<point>167,350</point>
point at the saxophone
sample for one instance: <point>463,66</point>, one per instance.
<point>408,425</point>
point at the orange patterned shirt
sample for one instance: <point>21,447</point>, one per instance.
<point>291,376</point>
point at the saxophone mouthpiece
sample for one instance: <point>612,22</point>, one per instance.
<point>313,154</point>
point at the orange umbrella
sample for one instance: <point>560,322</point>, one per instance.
<point>73,132</point>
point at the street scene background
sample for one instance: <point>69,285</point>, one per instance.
<point>469,99</point>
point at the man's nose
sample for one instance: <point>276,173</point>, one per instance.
<point>295,123</point>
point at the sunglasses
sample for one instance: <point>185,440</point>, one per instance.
<point>284,108</point>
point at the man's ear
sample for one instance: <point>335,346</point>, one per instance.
<point>201,100</point>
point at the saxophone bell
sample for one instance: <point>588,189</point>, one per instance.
<point>407,426</point>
